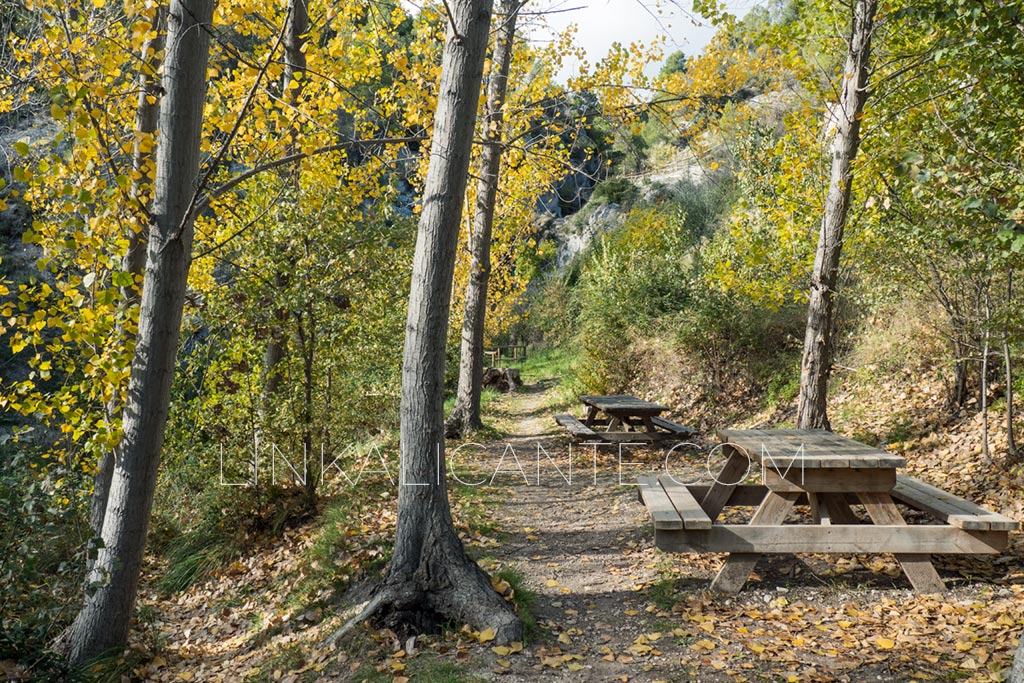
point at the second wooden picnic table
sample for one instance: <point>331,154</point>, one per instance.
<point>624,413</point>
<point>620,417</point>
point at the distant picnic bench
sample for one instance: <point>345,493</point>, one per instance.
<point>622,418</point>
<point>826,472</point>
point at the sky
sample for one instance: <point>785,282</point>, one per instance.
<point>602,22</point>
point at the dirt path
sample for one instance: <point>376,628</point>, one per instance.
<point>585,549</point>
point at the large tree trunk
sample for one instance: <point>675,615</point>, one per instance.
<point>1012,454</point>
<point>817,362</point>
<point>430,578</point>
<point>147,117</point>
<point>103,622</point>
<point>465,416</point>
<point>294,74</point>
<point>1016,674</point>
<point>986,454</point>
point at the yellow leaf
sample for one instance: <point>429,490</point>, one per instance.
<point>756,648</point>
<point>515,646</point>
<point>504,663</point>
<point>501,650</point>
<point>486,635</point>
<point>885,643</point>
<point>575,667</point>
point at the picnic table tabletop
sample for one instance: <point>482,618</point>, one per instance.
<point>808,448</point>
<point>623,404</point>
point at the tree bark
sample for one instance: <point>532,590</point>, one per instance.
<point>986,455</point>
<point>147,117</point>
<point>102,623</point>
<point>1016,674</point>
<point>465,416</point>
<point>431,579</point>
<point>1012,455</point>
<point>817,361</point>
<point>295,71</point>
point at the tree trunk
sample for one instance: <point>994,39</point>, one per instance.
<point>294,73</point>
<point>147,115</point>
<point>306,329</point>
<point>1017,669</point>
<point>1011,440</point>
<point>817,362</point>
<point>431,579</point>
<point>986,455</point>
<point>103,622</point>
<point>465,416</point>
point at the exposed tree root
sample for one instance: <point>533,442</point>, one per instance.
<point>443,590</point>
<point>368,610</point>
<point>461,422</point>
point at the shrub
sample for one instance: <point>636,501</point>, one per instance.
<point>615,191</point>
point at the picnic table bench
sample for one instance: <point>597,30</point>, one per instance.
<point>622,418</point>
<point>826,472</point>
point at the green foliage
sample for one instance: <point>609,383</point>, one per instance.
<point>674,63</point>
<point>553,311</point>
<point>42,560</point>
<point>626,287</point>
<point>641,278</point>
<point>615,191</point>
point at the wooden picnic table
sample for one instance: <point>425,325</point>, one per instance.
<point>826,472</point>
<point>620,418</point>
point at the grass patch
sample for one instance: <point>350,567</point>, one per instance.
<point>663,594</point>
<point>346,545</point>
<point>547,363</point>
<point>195,555</point>
<point>288,658</point>
<point>424,668</point>
<point>524,599</point>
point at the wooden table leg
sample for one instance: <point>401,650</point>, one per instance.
<point>819,511</point>
<point>591,416</point>
<point>917,567</point>
<point>736,570</point>
<point>736,468</point>
<point>838,509</point>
